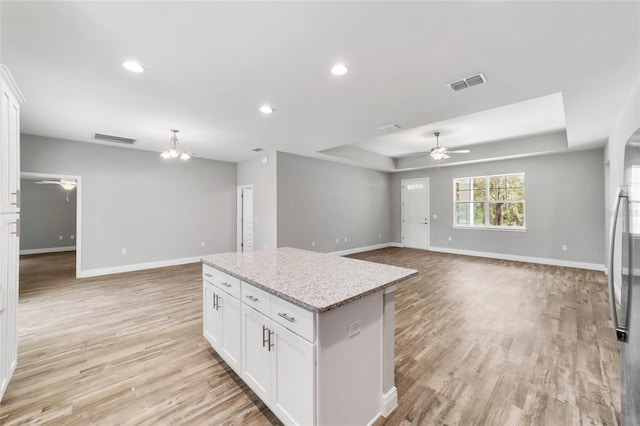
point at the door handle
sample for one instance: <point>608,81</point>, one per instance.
<point>621,330</point>
<point>271,333</point>
<point>264,339</point>
<point>17,232</point>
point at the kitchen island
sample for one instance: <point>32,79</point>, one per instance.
<point>311,334</point>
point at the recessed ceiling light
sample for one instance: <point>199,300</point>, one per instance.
<point>266,109</point>
<point>339,69</point>
<point>133,66</point>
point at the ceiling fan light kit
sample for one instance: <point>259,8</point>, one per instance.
<point>174,150</point>
<point>66,184</point>
<point>440,152</point>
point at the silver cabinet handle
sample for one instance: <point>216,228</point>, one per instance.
<point>250,297</point>
<point>214,301</point>
<point>17,233</point>
<point>18,198</point>
<point>264,339</point>
<point>287,317</point>
<point>621,330</point>
<point>270,344</point>
<point>206,274</point>
<point>226,284</point>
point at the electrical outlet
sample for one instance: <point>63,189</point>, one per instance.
<point>353,329</point>
<point>313,243</point>
<point>564,247</point>
<point>345,239</point>
<point>435,216</point>
<point>73,237</point>
<point>60,237</point>
<point>380,235</point>
<point>265,160</point>
<point>124,251</point>
<point>337,240</point>
<point>265,247</point>
<point>449,238</point>
<point>202,244</point>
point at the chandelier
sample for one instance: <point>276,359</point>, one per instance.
<point>174,150</point>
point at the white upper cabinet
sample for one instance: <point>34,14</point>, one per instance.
<point>10,144</point>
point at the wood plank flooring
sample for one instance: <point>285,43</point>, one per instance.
<point>478,341</point>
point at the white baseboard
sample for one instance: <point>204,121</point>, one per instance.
<point>359,249</point>
<point>47,250</point>
<point>528,259</point>
<point>137,267</point>
<point>396,245</point>
<point>389,402</point>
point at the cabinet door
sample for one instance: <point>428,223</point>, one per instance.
<point>9,153</point>
<point>255,352</point>
<point>231,331</point>
<point>4,377</point>
<point>13,224</point>
<point>292,377</point>
<point>212,324</point>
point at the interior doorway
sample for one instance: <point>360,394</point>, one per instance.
<point>71,239</point>
<point>245,218</point>
<point>415,213</point>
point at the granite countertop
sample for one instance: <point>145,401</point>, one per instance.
<point>315,281</point>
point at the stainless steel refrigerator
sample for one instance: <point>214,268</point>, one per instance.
<point>624,280</point>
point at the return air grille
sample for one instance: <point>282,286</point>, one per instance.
<point>114,139</point>
<point>474,80</point>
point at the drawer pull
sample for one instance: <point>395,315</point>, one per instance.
<point>18,198</point>
<point>287,317</point>
<point>271,333</point>
<point>226,284</point>
<point>264,339</point>
<point>206,274</point>
<point>250,297</point>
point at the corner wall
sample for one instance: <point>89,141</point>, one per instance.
<point>320,201</point>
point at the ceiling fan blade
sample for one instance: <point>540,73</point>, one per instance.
<point>458,151</point>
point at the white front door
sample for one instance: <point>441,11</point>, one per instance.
<point>245,218</point>
<point>415,213</point>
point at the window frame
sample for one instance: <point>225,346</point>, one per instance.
<point>487,204</point>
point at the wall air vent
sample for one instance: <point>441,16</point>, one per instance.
<point>474,80</point>
<point>114,139</point>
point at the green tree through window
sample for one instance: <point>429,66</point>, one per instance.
<point>490,201</point>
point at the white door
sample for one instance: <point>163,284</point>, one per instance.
<point>231,330</point>
<point>255,351</point>
<point>415,213</point>
<point>245,218</point>
<point>292,367</point>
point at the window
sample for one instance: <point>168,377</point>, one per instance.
<point>489,201</point>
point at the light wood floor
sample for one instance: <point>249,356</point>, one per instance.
<point>478,341</point>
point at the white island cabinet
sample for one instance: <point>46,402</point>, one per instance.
<point>315,331</point>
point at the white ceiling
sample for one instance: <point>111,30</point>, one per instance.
<point>210,65</point>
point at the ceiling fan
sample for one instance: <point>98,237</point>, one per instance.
<point>67,184</point>
<point>440,152</point>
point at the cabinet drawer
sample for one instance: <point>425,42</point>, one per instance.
<point>256,298</point>
<point>293,317</point>
<point>221,280</point>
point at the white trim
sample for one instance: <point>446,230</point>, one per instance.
<point>138,267</point>
<point>528,259</point>
<point>239,215</point>
<point>13,86</point>
<point>359,249</point>
<point>396,245</point>
<point>78,179</point>
<point>47,250</point>
<point>389,402</point>
<point>491,228</point>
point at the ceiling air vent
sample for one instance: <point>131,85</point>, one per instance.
<point>388,128</point>
<point>114,139</point>
<point>474,80</point>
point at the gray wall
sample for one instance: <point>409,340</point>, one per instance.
<point>263,177</point>
<point>564,199</point>
<point>320,201</point>
<point>156,209</point>
<point>45,215</point>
